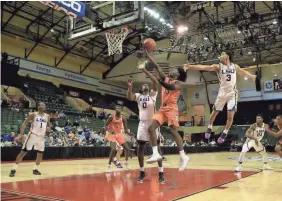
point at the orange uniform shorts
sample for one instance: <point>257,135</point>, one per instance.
<point>169,114</point>
<point>119,138</point>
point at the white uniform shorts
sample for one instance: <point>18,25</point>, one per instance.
<point>223,97</point>
<point>251,143</point>
<point>143,133</point>
<point>37,141</point>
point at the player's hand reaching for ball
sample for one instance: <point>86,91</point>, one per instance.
<point>129,82</point>
<point>157,75</point>
<point>141,65</point>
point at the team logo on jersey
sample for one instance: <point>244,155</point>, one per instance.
<point>256,158</point>
<point>226,71</point>
<point>144,99</point>
<point>41,120</point>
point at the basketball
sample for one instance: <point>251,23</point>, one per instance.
<point>149,45</point>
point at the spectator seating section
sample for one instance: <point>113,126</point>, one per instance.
<point>43,91</point>
<point>98,100</point>
<point>11,120</point>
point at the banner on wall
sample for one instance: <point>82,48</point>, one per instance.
<point>268,85</point>
<point>38,68</point>
<point>72,8</point>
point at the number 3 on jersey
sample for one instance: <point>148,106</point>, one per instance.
<point>228,77</point>
<point>144,104</point>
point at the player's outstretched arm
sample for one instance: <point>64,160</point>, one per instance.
<point>243,72</point>
<point>25,123</point>
<point>152,77</point>
<point>156,66</point>
<point>214,67</point>
<point>130,95</point>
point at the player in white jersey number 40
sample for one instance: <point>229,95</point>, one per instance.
<point>254,136</point>
<point>227,75</point>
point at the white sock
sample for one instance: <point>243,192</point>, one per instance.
<point>264,156</point>
<point>142,169</point>
<point>182,154</point>
<point>115,159</point>
<point>15,167</point>
<point>210,126</point>
<point>161,169</point>
<point>226,131</point>
<point>155,150</point>
<point>241,158</point>
<point>35,167</point>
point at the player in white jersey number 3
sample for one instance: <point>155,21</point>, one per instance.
<point>36,137</point>
<point>227,75</point>
<point>254,136</point>
<point>146,100</point>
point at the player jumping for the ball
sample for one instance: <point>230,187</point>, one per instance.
<point>227,75</point>
<point>168,111</point>
<point>146,100</point>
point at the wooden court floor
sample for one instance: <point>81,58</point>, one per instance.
<point>208,177</point>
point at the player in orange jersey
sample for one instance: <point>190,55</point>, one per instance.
<point>116,126</point>
<point>168,111</point>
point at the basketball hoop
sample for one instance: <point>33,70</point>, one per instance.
<point>115,41</point>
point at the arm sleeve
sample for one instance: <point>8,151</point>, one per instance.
<point>167,85</point>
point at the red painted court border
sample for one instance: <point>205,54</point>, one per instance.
<point>123,186</point>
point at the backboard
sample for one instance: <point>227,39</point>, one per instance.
<point>102,16</point>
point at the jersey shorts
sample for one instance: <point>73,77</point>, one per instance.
<point>37,141</point>
<point>169,114</point>
<point>251,143</point>
<point>119,137</point>
<point>143,133</point>
<point>231,98</point>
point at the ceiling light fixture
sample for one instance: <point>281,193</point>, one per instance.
<point>182,29</point>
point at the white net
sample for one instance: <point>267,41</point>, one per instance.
<point>115,41</point>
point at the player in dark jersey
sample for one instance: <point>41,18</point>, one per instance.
<point>278,123</point>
